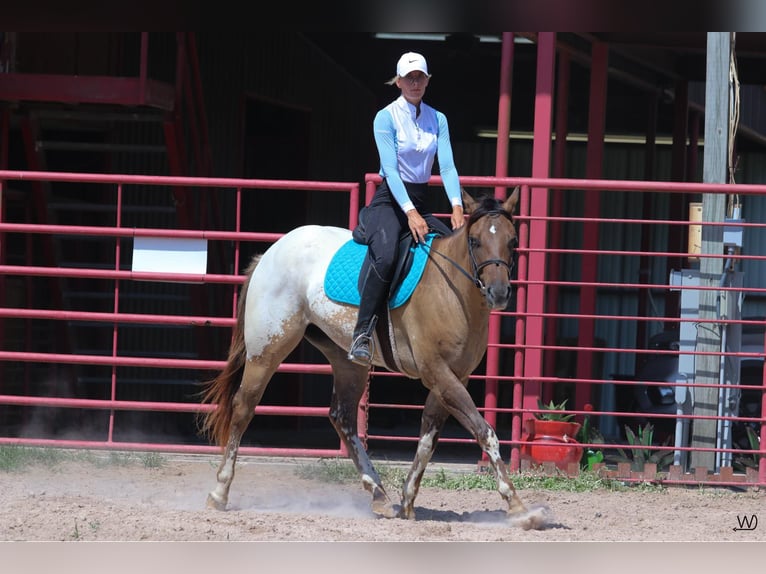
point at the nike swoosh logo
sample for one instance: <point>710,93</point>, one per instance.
<point>410,61</point>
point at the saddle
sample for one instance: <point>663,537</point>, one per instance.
<point>401,282</point>
<point>404,256</point>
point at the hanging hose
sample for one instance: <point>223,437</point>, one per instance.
<point>733,118</point>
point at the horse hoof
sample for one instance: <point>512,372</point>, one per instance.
<point>406,514</point>
<point>533,519</point>
<point>515,506</point>
<point>383,509</point>
<point>214,503</point>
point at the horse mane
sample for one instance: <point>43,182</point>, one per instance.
<point>214,424</point>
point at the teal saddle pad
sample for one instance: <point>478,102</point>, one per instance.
<point>342,277</point>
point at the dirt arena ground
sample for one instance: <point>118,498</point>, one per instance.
<point>271,501</point>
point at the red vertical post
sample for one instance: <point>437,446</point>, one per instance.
<point>593,170</point>
<point>559,163</point>
<point>369,191</point>
<point>538,227</point>
<point>521,309</point>
<point>504,111</point>
<point>237,250</point>
<point>501,170</point>
<point>116,309</point>
<point>5,122</point>
<point>353,206</point>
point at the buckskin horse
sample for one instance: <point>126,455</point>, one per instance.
<point>439,335</point>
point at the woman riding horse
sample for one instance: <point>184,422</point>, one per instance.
<point>408,134</point>
<point>440,335</point>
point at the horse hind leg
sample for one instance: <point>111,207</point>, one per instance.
<point>343,415</point>
<point>432,421</point>
<point>255,378</point>
<point>349,383</point>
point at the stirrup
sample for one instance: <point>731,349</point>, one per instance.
<point>361,350</point>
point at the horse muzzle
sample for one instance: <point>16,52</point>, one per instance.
<point>497,295</point>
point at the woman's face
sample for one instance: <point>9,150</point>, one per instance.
<point>413,86</point>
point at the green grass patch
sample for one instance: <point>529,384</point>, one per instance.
<point>152,459</point>
<point>17,458</point>
<point>343,471</point>
<point>459,481</point>
<point>14,458</point>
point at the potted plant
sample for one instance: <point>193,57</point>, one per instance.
<point>551,436</point>
<point>748,463</point>
<point>642,452</point>
<point>589,435</point>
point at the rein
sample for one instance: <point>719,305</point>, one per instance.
<point>475,267</point>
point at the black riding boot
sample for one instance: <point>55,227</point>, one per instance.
<point>374,296</point>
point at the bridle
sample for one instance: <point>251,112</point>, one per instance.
<point>477,268</point>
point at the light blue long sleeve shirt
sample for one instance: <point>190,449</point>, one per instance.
<point>408,144</point>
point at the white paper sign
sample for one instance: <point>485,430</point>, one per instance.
<point>170,255</point>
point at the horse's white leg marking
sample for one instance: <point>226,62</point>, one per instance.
<point>381,503</point>
<point>412,485</point>
<point>493,452</point>
<point>224,477</point>
<point>461,406</point>
<point>366,469</point>
<point>491,446</point>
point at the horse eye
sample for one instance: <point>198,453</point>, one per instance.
<point>513,243</point>
<point>474,242</point>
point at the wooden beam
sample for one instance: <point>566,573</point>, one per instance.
<point>715,169</point>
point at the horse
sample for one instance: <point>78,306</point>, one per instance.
<point>439,336</point>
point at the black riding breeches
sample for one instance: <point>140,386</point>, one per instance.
<point>386,222</point>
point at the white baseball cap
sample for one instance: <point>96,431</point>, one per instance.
<point>409,62</point>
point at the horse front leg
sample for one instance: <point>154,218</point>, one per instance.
<point>518,514</point>
<point>432,421</point>
<point>458,402</point>
<point>491,446</point>
<point>243,405</point>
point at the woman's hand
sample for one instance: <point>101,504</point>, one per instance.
<point>457,218</point>
<point>418,225</point>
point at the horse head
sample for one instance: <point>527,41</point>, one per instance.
<point>492,241</point>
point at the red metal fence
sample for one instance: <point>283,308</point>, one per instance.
<point>528,346</point>
<point>32,394</point>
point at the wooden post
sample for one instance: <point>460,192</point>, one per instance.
<point>707,367</point>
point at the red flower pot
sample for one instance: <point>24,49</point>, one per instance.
<point>551,441</point>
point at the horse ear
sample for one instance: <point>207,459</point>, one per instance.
<point>513,199</point>
<point>469,204</point>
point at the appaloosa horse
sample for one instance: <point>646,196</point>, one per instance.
<point>439,336</point>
